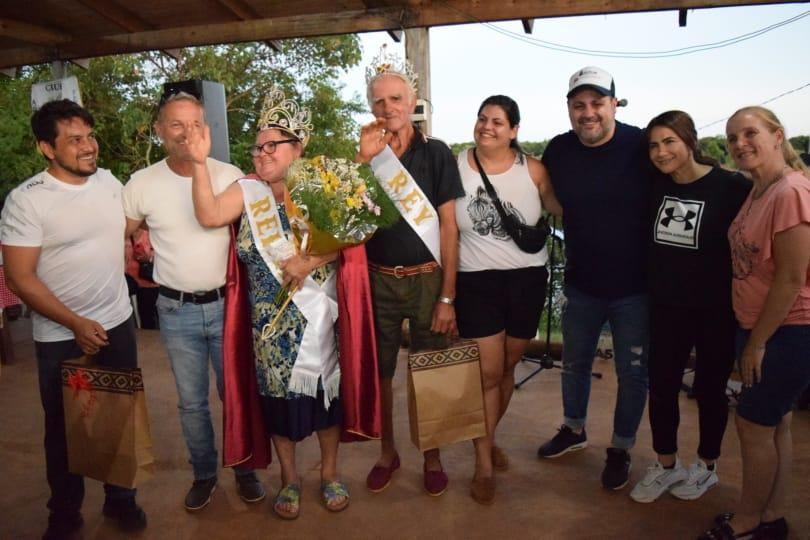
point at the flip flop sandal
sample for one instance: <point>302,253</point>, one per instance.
<point>335,495</point>
<point>288,495</point>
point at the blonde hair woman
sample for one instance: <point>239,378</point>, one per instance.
<point>770,248</point>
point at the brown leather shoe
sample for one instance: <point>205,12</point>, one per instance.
<point>482,490</point>
<point>500,461</point>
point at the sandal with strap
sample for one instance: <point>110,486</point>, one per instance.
<point>776,529</point>
<point>719,519</point>
<point>335,495</point>
<point>725,532</point>
<point>289,495</point>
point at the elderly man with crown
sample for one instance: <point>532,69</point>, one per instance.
<point>300,377</point>
<point>412,265</point>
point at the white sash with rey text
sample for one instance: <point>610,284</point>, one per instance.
<point>317,354</point>
<point>409,199</point>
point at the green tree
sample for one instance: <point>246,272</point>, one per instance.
<point>532,148</point>
<point>801,143</point>
<point>122,94</point>
<point>716,148</point>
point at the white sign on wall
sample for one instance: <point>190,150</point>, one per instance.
<point>67,88</point>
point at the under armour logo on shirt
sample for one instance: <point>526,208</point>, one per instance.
<point>685,219</point>
<point>678,222</point>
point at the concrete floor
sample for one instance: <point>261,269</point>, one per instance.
<point>555,499</point>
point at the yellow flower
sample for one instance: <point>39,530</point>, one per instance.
<point>359,189</point>
<point>334,214</point>
<point>352,202</point>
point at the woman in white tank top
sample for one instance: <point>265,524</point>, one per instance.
<point>500,289</point>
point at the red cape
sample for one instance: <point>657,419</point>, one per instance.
<point>246,441</point>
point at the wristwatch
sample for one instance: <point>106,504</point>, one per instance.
<point>445,300</point>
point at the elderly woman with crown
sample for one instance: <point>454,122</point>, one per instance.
<point>286,384</point>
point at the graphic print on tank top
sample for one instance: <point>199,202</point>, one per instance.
<point>485,217</point>
<point>678,222</point>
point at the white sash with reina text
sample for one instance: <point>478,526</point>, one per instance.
<point>317,354</point>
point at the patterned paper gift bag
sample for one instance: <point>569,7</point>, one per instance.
<point>106,424</point>
<point>445,399</point>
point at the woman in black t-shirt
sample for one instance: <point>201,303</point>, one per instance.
<point>693,203</point>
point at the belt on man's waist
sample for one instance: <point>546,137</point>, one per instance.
<point>199,297</point>
<point>404,271</point>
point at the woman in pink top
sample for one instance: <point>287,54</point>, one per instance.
<point>770,248</point>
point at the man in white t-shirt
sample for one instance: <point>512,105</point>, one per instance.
<point>189,266</point>
<point>63,247</point>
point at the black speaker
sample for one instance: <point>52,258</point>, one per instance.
<point>212,95</point>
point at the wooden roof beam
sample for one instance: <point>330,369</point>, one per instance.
<point>239,8</point>
<point>126,20</point>
<point>114,13</point>
<point>31,33</point>
<point>339,22</point>
<point>246,13</point>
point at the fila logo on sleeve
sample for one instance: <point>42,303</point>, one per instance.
<point>678,222</point>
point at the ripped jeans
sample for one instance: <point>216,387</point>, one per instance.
<point>582,320</point>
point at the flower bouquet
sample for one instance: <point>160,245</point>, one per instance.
<point>330,206</point>
<point>329,200</point>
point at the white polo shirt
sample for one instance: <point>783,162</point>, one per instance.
<point>80,230</point>
<point>188,257</point>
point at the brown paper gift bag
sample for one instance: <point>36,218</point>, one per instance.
<point>445,399</point>
<point>106,424</point>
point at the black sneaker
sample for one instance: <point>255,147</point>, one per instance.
<point>200,494</point>
<point>249,488</point>
<point>128,515</point>
<point>62,526</point>
<point>617,468</point>
<point>563,442</point>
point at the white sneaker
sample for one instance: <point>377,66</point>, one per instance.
<point>700,480</point>
<point>657,481</point>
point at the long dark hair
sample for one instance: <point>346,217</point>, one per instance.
<point>510,107</point>
<point>684,127</point>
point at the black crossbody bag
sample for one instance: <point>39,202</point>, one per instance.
<point>529,239</point>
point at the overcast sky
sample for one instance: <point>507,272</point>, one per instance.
<point>471,62</point>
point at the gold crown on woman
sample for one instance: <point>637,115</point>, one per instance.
<point>281,113</point>
<point>390,63</point>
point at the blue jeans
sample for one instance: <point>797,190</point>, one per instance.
<point>192,334</point>
<point>582,320</point>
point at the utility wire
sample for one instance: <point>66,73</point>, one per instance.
<point>645,54</point>
<point>629,54</point>
<point>783,94</point>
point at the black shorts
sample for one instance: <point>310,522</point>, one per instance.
<point>490,301</point>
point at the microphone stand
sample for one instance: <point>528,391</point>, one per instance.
<point>547,361</point>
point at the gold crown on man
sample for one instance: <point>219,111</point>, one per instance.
<point>281,113</point>
<point>390,63</point>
